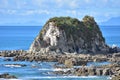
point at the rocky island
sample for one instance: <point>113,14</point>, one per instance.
<point>69,35</point>
<point>71,42</point>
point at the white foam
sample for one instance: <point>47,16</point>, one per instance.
<point>109,78</point>
<point>77,66</point>
<point>44,69</point>
<point>59,69</point>
<point>56,69</point>
<point>50,77</point>
<point>12,65</point>
<point>11,79</point>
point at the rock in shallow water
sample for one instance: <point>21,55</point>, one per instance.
<point>7,76</point>
<point>74,62</point>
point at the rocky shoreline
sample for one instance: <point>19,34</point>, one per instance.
<point>70,60</point>
<point>71,42</point>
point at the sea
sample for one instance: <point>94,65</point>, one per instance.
<point>21,37</point>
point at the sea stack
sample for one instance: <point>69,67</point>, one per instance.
<point>69,35</point>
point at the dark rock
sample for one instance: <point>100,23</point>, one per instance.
<point>92,71</point>
<point>59,72</point>
<point>113,50</point>
<point>107,71</point>
<point>116,55</point>
<point>12,53</point>
<point>100,59</point>
<point>68,72</point>
<point>7,59</point>
<point>81,63</point>
<point>82,72</point>
<point>99,72</point>
<point>116,77</point>
<point>7,76</point>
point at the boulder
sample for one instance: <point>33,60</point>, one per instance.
<point>92,71</point>
<point>107,71</point>
<point>81,63</point>
<point>69,63</point>
<point>82,72</point>
<point>116,55</point>
<point>99,72</point>
<point>99,59</point>
<point>116,77</point>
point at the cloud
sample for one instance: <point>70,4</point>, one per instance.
<point>34,12</point>
<point>72,12</point>
<point>105,1</point>
<point>100,9</point>
<point>73,4</point>
<point>28,12</point>
<point>3,3</point>
<point>94,1</point>
<point>10,12</point>
<point>87,1</point>
<point>23,12</point>
<point>67,3</point>
<point>58,4</point>
<point>20,4</point>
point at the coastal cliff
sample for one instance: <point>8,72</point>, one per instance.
<point>69,35</point>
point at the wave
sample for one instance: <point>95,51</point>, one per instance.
<point>56,69</point>
<point>43,69</point>
<point>12,65</point>
<point>62,77</point>
<point>11,79</point>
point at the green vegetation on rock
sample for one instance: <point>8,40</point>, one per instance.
<point>66,34</point>
<point>70,25</point>
<point>86,29</point>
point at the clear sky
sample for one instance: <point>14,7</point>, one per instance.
<point>37,12</point>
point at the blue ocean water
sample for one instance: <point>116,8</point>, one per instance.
<point>21,37</point>
<point>42,71</point>
<point>17,37</point>
<point>111,34</point>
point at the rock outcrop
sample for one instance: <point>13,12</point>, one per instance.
<point>69,35</point>
<point>7,76</point>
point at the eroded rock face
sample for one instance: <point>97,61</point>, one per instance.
<point>69,35</point>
